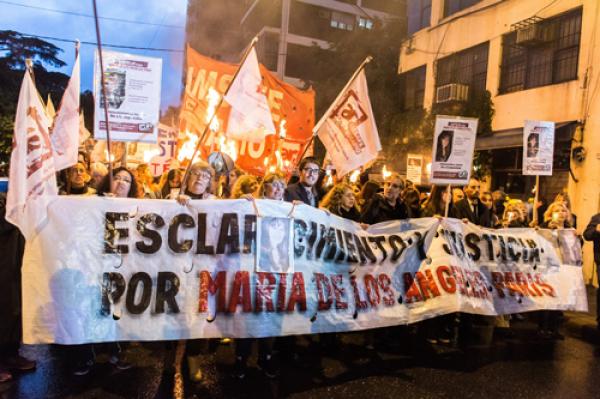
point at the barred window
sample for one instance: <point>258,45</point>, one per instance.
<point>454,6</point>
<point>412,88</point>
<point>553,59</point>
<point>419,15</point>
<point>468,67</point>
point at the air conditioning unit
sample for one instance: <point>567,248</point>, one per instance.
<point>534,32</point>
<point>452,92</point>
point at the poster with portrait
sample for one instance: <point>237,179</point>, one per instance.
<point>453,145</point>
<point>274,238</point>
<point>538,148</point>
<point>132,94</point>
<point>414,168</point>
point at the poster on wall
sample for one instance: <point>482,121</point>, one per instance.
<point>414,168</point>
<point>538,148</point>
<point>453,145</point>
<point>132,94</point>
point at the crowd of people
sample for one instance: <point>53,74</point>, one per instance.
<point>364,201</point>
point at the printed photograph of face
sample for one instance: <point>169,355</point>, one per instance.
<point>274,245</point>
<point>444,146</point>
<point>533,145</point>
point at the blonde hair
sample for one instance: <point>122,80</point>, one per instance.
<point>551,210</point>
<point>515,206</point>
<point>243,185</point>
<point>333,199</point>
<point>270,179</point>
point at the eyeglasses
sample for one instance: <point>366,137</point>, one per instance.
<point>310,171</point>
<point>198,174</point>
<point>276,185</point>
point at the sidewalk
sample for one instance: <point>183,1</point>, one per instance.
<point>583,325</point>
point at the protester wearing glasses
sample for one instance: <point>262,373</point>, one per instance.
<point>386,206</point>
<point>305,190</point>
<point>199,183</point>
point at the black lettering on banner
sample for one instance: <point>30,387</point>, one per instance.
<point>249,233</point>
<point>472,241</point>
<point>167,286</point>
<point>201,247</point>
<point>502,248</point>
<point>299,237</point>
<point>341,246</point>
<point>326,240</point>
<point>490,246</point>
<point>398,246</point>
<point>512,242</point>
<point>351,248</point>
<point>113,287</point>
<point>229,235</point>
<point>379,240</point>
<point>421,245</point>
<point>146,283</point>
<point>311,240</point>
<point>534,252</point>
<point>153,235</point>
<point>445,246</point>
<point>364,250</point>
<point>112,234</point>
<point>186,221</point>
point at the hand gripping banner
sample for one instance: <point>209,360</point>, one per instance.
<point>105,269</point>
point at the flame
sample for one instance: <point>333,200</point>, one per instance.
<point>272,169</point>
<point>282,129</point>
<point>110,158</point>
<point>266,161</point>
<point>213,97</point>
<point>354,176</point>
<point>187,149</point>
<point>149,154</point>
<point>428,168</point>
<point>386,174</point>
<point>227,146</point>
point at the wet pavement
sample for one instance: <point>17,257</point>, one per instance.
<point>517,366</point>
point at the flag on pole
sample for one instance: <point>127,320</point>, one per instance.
<point>65,129</point>
<point>250,117</point>
<point>50,111</point>
<point>348,129</point>
<point>32,179</point>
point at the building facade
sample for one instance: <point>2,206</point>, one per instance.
<point>288,28</point>
<point>536,58</point>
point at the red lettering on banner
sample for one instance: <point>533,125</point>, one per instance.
<point>498,283</point>
<point>264,291</point>
<point>241,283</point>
<point>412,290</point>
<point>459,276</point>
<point>533,286</point>
<point>298,293</point>
<point>372,290</point>
<point>385,283</point>
<point>444,275</point>
<point>545,287</point>
<point>510,283</point>
<point>281,291</point>
<point>358,302</point>
<point>521,281</point>
<point>339,291</point>
<point>208,285</point>
<point>324,299</point>
<point>427,284</point>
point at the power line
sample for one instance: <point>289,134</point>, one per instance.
<point>58,39</point>
<point>78,14</point>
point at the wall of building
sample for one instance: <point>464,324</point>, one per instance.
<point>570,101</point>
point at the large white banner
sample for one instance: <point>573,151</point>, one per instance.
<point>453,145</point>
<point>133,96</point>
<point>538,148</point>
<point>105,269</point>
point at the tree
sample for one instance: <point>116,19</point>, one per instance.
<point>16,48</point>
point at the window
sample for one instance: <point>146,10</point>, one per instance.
<point>365,23</point>
<point>342,21</point>
<point>412,88</point>
<point>454,6</point>
<point>468,67</point>
<point>419,15</point>
<point>554,59</point>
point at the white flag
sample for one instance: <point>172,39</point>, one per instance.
<point>84,134</point>
<point>65,129</point>
<point>348,129</point>
<point>250,117</point>
<point>32,179</point>
<point>50,111</point>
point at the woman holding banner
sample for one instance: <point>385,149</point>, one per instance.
<point>198,184</point>
<point>123,185</point>
<point>272,187</point>
<point>340,201</point>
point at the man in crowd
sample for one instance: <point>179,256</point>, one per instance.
<point>457,195</point>
<point>471,208</point>
<point>305,190</point>
<point>592,233</point>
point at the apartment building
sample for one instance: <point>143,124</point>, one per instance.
<point>537,59</point>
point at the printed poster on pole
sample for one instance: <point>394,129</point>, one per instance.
<point>133,96</point>
<point>538,148</point>
<point>414,168</point>
<point>453,146</point>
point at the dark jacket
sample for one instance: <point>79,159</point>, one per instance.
<point>590,234</point>
<point>353,214</point>
<point>297,192</point>
<point>379,210</point>
<point>462,210</point>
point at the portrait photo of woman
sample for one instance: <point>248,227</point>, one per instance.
<point>274,245</point>
<point>533,145</point>
<point>444,146</point>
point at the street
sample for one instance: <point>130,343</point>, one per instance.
<point>514,367</point>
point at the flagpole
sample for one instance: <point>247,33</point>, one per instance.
<point>212,117</point>
<point>104,96</point>
<point>324,117</point>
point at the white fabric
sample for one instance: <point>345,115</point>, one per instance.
<point>250,117</point>
<point>32,180</point>
<point>349,132</point>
